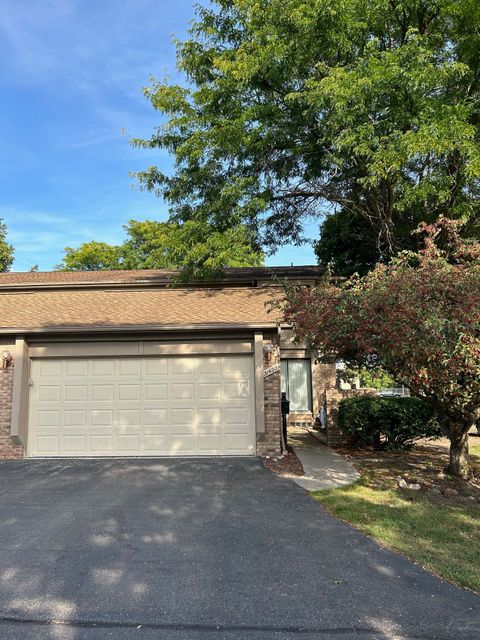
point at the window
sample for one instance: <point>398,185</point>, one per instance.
<point>296,382</point>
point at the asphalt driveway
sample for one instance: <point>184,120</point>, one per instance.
<point>200,549</point>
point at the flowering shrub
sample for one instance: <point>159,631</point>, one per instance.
<point>418,318</point>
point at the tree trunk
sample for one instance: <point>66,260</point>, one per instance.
<point>459,464</point>
<point>377,441</point>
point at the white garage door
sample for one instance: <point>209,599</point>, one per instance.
<point>142,406</point>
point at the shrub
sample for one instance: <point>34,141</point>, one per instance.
<point>393,423</point>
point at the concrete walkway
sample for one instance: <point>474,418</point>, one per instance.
<point>324,469</point>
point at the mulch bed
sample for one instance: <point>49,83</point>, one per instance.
<point>286,465</point>
<point>424,465</point>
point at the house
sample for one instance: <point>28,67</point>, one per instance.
<point>121,363</point>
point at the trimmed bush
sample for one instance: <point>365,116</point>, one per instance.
<point>392,423</point>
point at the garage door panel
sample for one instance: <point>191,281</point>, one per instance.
<point>209,444</point>
<point>235,415</point>
<point>102,392</point>
<point>47,445</point>
<point>235,390</point>
<point>156,367</point>
<point>235,429</point>
<point>155,417</point>
<point>157,391</point>
<point>128,442</point>
<point>73,444</point>
<point>75,392</point>
<point>49,393</point>
<point>183,366</point>
<point>181,444</point>
<point>100,444</point>
<point>142,406</point>
<point>236,367</point>
<point>130,367</point>
<point>181,417</point>
<point>128,417</point>
<point>155,443</point>
<point>101,418</point>
<point>103,368</point>
<point>129,391</point>
<point>74,418</point>
<point>50,369</point>
<point>76,368</point>
<point>182,391</point>
<point>48,418</point>
<point>209,367</point>
<point>209,391</point>
<point>210,429</point>
<point>234,442</point>
<point>208,417</point>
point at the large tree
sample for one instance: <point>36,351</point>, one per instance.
<point>346,244</point>
<point>6,250</point>
<point>200,252</point>
<point>293,108</point>
<point>92,256</point>
<point>418,318</point>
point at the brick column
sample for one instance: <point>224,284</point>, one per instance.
<point>333,397</point>
<point>268,443</point>
<point>8,449</point>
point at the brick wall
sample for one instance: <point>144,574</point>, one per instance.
<point>332,397</point>
<point>8,448</point>
<point>269,443</point>
<point>304,419</point>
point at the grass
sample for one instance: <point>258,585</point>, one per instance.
<point>475,449</point>
<point>440,533</point>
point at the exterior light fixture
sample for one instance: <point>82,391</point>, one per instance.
<point>6,359</point>
<point>268,349</point>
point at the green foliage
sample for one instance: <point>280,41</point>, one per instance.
<point>372,378</point>
<point>346,244</point>
<point>394,422</point>
<point>198,250</point>
<point>418,318</point>
<point>92,256</point>
<point>6,250</point>
<point>294,108</point>
<point>376,378</point>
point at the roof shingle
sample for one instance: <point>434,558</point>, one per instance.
<point>84,308</point>
<point>42,279</point>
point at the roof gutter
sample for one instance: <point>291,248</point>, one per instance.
<point>136,328</point>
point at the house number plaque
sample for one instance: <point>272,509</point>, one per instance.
<point>271,370</point>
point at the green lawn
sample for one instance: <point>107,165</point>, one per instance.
<point>443,535</point>
<point>475,449</point>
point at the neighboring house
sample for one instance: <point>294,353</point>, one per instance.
<point>122,364</point>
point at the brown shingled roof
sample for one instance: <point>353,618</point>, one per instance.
<point>67,277</point>
<point>245,275</point>
<point>147,308</point>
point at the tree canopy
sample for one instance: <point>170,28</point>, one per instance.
<point>92,256</point>
<point>6,250</point>
<point>418,318</point>
<point>346,244</point>
<point>199,251</point>
<point>293,108</point>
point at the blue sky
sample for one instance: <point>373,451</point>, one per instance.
<point>70,81</point>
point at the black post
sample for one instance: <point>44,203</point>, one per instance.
<point>285,406</point>
<point>284,427</point>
